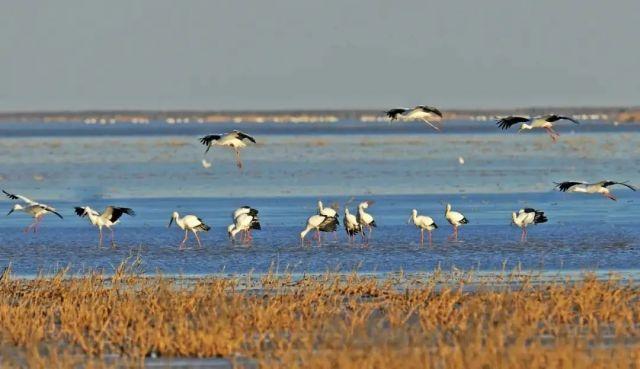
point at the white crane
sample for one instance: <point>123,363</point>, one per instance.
<point>189,223</point>
<point>351,225</point>
<point>365,219</point>
<point>109,218</point>
<point>243,210</point>
<point>319,223</point>
<point>422,222</point>
<point>244,222</point>
<point>545,122</point>
<point>32,208</point>
<point>427,114</point>
<point>601,187</point>
<point>526,217</point>
<point>234,139</point>
<point>455,219</point>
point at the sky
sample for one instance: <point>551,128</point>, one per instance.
<point>323,54</point>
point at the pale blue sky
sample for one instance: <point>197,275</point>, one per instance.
<point>261,54</point>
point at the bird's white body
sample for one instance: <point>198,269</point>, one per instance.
<point>365,219</point>
<point>351,225</point>
<point>454,218</point>
<point>108,218</point>
<point>32,208</point>
<point>319,223</point>
<point>422,222</point>
<point>526,217</point>
<point>189,223</point>
<point>330,212</point>
<point>242,222</point>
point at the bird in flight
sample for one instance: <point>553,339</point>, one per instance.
<point>545,122</point>
<point>32,208</point>
<point>601,187</point>
<point>234,139</point>
<point>427,114</point>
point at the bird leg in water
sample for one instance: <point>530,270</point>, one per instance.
<point>238,160</point>
<point>421,236</point>
<point>429,232</point>
<point>523,237</point>
<point>198,239</point>
<point>319,238</point>
<point>113,240</point>
<point>184,240</point>
<point>100,241</point>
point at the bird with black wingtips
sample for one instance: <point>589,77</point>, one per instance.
<point>601,187</point>
<point>525,217</point>
<point>244,222</point>
<point>351,225</point>
<point>427,114</point>
<point>545,122</point>
<point>31,208</point>
<point>422,222</point>
<point>108,218</point>
<point>365,219</point>
<point>189,223</point>
<point>243,210</point>
<point>454,218</point>
<point>319,223</point>
<point>234,139</point>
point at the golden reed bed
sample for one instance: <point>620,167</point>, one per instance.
<point>331,321</point>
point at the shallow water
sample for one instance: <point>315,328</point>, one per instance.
<point>156,169</point>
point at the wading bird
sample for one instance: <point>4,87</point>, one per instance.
<point>189,223</point>
<point>244,222</point>
<point>365,219</point>
<point>422,222</point>
<point>321,223</point>
<point>455,219</point>
<point>601,187</point>
<point>545,122</point>
<point>526,217</point>
<point>236,213</point>
<point>351,225</point>
<point>32,208</point>
<point>234,139</point>
<point>109,217</point>
<point>424,113</point>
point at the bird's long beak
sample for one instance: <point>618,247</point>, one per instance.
<point>170,222</point>
<point>10,211</point>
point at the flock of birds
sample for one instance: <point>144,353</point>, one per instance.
<point>245,219</point>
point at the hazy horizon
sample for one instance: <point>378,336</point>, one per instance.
<point>288,54</point>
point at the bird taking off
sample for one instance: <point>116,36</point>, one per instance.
<point>234,139</point>
<point>31,208</point>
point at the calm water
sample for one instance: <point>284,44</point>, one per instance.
<point>156,169</point>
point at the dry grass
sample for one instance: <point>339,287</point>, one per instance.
<point>321,322</point>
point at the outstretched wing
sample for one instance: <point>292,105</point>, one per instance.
<point>113,213</point>
<point>565,186</point>
<point>50,210</point>
<point>611,183</point>
<point>393,113</point>
<point>508,122</point>
<point>20,197</point>
<point>241,135</point>
<point>79,211</point>
<point>208,140</point>
<point>430,109</point>
<point>554,118</point>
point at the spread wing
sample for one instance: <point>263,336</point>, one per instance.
<point>393,113</point>
<point>20,197</point>
<point>554,118</point>
<point>50,210</point>
<point>113,213</point>
<point>208,140</point>
<point>508,122</point>
<point>565,186</point>
<point>430,109</point>
<point>611,183</point>
<point>241,135</point>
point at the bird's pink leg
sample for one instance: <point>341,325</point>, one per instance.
<point>184,240</point>
<point>610,196</point>
<point>319,238</point>
<point>455,233</point>
<point>36,224</point>
<point>198,239</point>
<point>100,241</point>
<point>429,232</point>
<point>422,236</point>
<point>551,134</point>
<point>113,239</point>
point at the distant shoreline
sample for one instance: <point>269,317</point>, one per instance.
<point>613,114</point>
